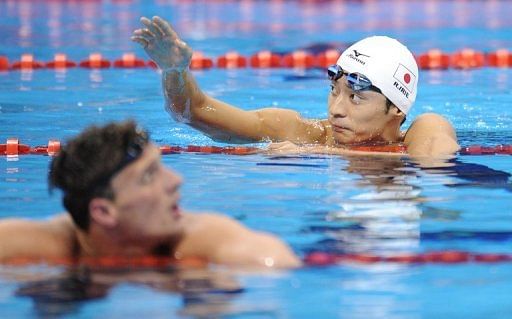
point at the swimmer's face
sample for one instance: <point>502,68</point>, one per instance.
<point>146,199</point>
<point>357,116</point>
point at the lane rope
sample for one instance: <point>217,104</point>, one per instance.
<point>13,147</point>
<point>434,59</point>
<point>313,259</point>
<point>433,257</point>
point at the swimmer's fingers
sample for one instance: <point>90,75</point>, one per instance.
<point>142,36</point>
<point>164,27</point>
<point>150,27</point>
<point>144,33</point>
<point>140,40</point>
<point>158,28</point>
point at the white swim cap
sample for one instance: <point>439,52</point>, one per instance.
<point>388,64</point>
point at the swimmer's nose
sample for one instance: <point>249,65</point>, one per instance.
<point>338,108</point>
<point>173,181</point>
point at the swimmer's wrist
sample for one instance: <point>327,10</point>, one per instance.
<point>175,69</point>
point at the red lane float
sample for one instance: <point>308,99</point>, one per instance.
<point>115,262</point>
<point>60,61</point>
<point>392,148</point>
<point>231,60</point>
<point>95,61</point>
<point>327,58</point>
<point>435,257</point>
<point>129,60</point>
<point>4,63</point>
<point>14,147</point>
<point>434,59</point>
<point>152,64</point>
<point>299,60</point>
<point>51,149</point>
<point>265,59</point>
<point>503,149</point>
<point>238,150</point>
<point>468,59</point>
<point>27,62</point>
<point>200,62</point>
<point>486,150</point>
<point>501,58</point>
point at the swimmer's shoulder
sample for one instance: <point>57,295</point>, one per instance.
<point>205,224</point>
<point>22,238</point>
<point>431,134</point>
<point>203,232</point>
<point>222,239</point>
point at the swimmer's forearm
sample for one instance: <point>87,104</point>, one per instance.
<point>185,102</point>
<point>182,94</point>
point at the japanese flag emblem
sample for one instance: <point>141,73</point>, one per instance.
<point>405,77</point>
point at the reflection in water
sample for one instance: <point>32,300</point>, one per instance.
<point>382,219</point>
<point>60,296</point>
<point>383,215</point>
<point>204,292</point>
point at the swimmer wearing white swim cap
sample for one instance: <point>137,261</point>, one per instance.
<point>373,87</point>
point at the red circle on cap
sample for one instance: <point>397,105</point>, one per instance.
<point>407,78</point>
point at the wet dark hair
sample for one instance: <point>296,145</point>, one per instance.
<point>85,165</point>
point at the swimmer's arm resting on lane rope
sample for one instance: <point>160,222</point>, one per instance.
<point>223,122</point>
<point>30,239</point>
<point>431,135</point>
<point>223,240</point>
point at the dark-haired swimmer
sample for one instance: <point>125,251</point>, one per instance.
<point>373,86</point>
<point>122,201</point>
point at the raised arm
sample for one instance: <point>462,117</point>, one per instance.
<point>186,102</point>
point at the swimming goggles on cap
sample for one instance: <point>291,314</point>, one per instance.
<point>133,150</point>
<point>355,81</point>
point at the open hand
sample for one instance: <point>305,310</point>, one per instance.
<point>162,44</point>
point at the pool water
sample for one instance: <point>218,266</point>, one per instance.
<point>357,205</point>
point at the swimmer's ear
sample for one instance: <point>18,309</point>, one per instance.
<point>102,212</point>
<point>397,114</point>
<point>396,111</point>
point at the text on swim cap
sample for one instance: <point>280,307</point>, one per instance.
<point>357,55</point>
<point>401,89</point>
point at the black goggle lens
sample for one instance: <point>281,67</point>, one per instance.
<point>356,81</point>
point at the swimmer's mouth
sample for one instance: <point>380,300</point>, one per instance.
<point>339,129</point>
<point>176,211</point>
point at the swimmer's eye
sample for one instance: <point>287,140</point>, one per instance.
<point>334,90</point>
<point>148,175</point>
<point>356,99</point>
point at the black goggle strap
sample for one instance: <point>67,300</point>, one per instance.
<point>133,150</point>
